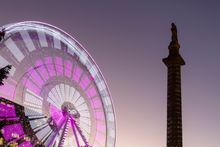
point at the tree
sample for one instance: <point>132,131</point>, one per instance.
<point>4,73</point>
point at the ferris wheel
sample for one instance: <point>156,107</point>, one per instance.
<point>55,94</point>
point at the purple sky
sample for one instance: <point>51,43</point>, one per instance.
<point>128,40</point>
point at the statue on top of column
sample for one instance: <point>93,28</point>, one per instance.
<point>174,33</point>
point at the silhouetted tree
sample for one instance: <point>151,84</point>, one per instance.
<point>2,34</point>
<point>4,73</point>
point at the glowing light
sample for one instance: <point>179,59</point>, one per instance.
<point>7,90</point>
<point>99,115</point>
<point>96,103</point>
<point>84,82</point>
<point>36,78</point>
<point>7,110</point>
<point>12,131</point>
<point>68,68</point>
<point>50,66</point>
<point>42,70</point>
<point>14,49</point>
<point>31,86</point>
<point>56,114</point>
<point>25,144</point>
<point>59,66</point>
<point>77,73</point>
<point>91,92</point>
<point>100,126</point>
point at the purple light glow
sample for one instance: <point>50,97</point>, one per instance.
<point>25,144</point>
<point>74,132</point>
<point>42,70</point>
<point>91,92</point>
<point>77,73</point>
<point>100,126</point>
<point>36,78</point>
<point>50,66</point>
<point>96,103</point>
<point>7,110</point>
<point>7,90</point>
<point>12,131</point>
<point>68,68</point>
<point>59,66</point>
<point>56,114</point>
<point>100,137</point>
<point>13,118</point>
<point>99,115</point>
<point>84,82</point>
<point>31,86</point>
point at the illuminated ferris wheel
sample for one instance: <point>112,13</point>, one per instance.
<point>55,94</point>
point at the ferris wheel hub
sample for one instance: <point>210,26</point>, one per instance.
<point>69,109</point>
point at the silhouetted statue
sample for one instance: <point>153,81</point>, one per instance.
<point>2,34</point>
<point>174,33</point>
<point>4,73</point>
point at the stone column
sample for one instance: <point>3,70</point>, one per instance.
<point>174,61</point>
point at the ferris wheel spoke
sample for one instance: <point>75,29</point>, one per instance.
<point>71,94</point>
<point>62,91</point>
<point>85,120</point>
<point>40,128</point>
<point>84,112</point>
<point>81,104</point>
<point>85,117</point>
<point>79,101</point>
<point>42,38</point>
<point>84,131</point>
<point>63,135</point>
<point>46,137</point>
<point>53,102</point>
<point>57,89</point>
<point>74,132</point>
<point>31,97</point>
<point>11,45</point>
<point>36,118</point>
<point>75,125</point>
<point>76,96</point>
<point>86,125</point>
<point>66,92</point>
<point>55,96</point>
<point>82,109</point>
<point>27,40</point>
<point>57,132</point>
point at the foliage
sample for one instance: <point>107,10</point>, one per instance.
<point>4,73</point>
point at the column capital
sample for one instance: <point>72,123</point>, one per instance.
<point>174,58</point>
